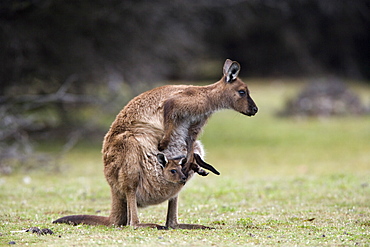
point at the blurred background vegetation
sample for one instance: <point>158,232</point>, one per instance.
<point>67,64</point>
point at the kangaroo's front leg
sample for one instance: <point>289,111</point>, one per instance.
<point>169,128</point>
<point>172,221</point>
<point>193,133</point>
<point>170,118</point>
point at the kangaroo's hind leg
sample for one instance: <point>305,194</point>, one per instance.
<point>172,218</point>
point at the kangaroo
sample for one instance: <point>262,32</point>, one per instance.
<point>169,119</point>
<point>172,171</point>
<point>176,173</point>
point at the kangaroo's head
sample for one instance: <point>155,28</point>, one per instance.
<point>172,169</point>
<point>236,91</point>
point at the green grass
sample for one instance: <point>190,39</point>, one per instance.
<point>287,182</point>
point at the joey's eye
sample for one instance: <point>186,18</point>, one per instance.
<point>241,92</point>
<point>173,171</point>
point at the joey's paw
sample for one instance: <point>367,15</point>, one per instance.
<point>202,172</point>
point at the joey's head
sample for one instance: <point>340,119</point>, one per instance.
<point>172,169</point>
<point>236,91</point>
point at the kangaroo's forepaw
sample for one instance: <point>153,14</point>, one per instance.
<point>163,144</point>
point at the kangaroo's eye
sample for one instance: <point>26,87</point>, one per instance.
<point>241,92</point>
<point>173,171</point>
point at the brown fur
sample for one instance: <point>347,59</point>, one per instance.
<point>168,118</point>
<point>176,173</point>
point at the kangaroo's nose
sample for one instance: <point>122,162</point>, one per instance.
<point>254,109</point>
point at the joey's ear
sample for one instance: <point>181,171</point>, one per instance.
<point>231,70</point>
<point>162,159</point>
<point>183,161</point>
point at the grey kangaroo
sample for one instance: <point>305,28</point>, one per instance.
<point>167,119</point>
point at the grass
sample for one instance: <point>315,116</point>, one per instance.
<point>287,182</point>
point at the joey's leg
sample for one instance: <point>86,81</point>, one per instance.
<point>133,218</point>
<point>172,221</point>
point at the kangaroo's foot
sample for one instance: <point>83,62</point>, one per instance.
<point>163,144</point>
<point>201,172</point>
<point>190,227</point>
<point>150,225</point>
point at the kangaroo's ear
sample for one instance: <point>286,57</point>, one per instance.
<point>231,70</point>
<point>183,161</point>
<point>162,159</point>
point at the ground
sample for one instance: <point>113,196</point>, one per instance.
<point>284,181</point>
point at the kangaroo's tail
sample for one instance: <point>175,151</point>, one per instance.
<point>84,219</point>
